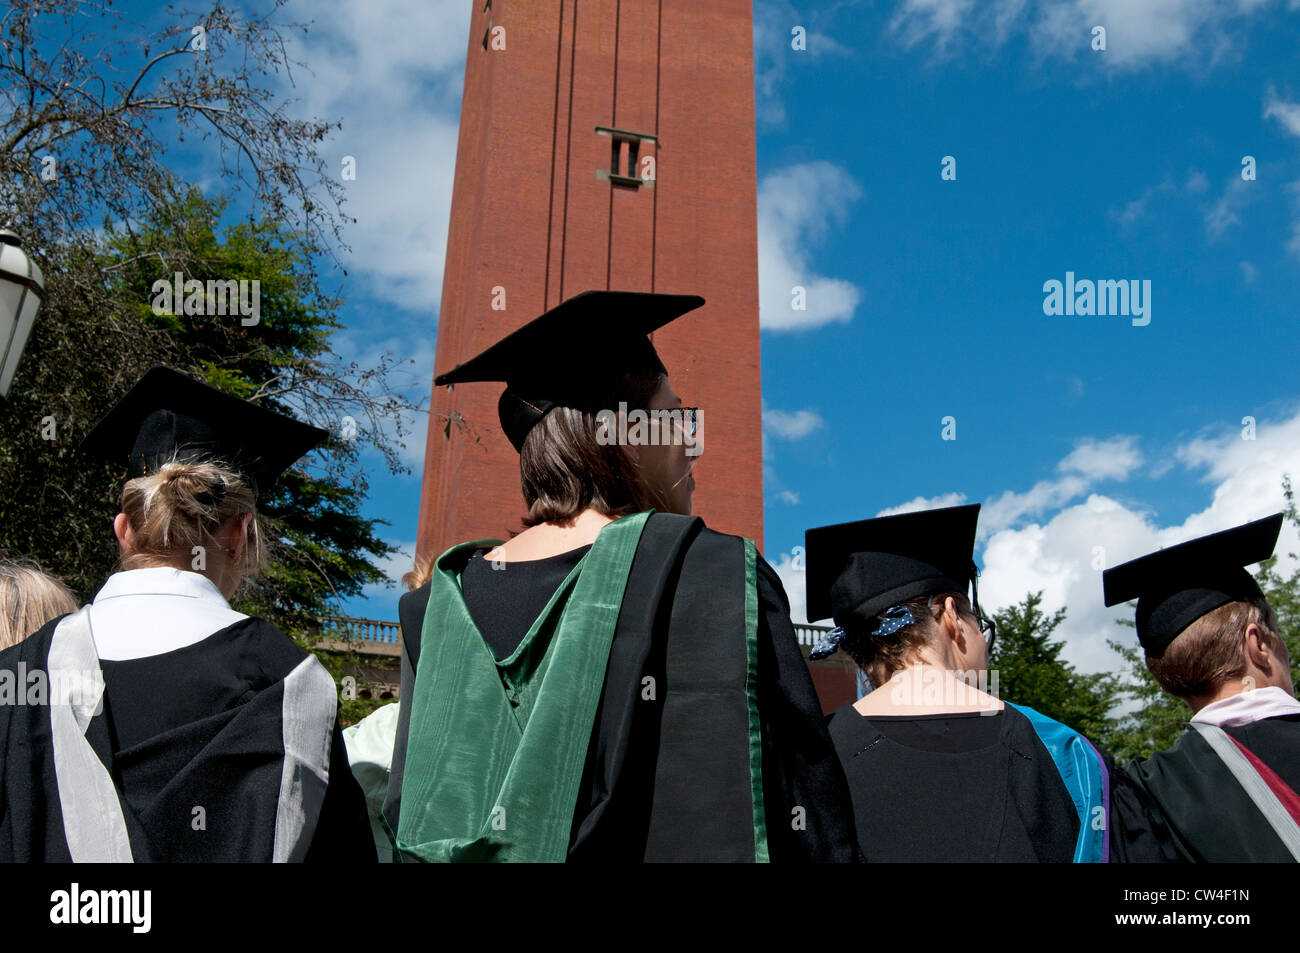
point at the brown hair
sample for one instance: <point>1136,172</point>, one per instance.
<point>564,468</point>
<point>181,506</point>
<point>29,598</point>
<point>880,658</point>
<point>1210,651</point>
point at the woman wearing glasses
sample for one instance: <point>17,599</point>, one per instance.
<point>610,684</point>
<point>939,767</point>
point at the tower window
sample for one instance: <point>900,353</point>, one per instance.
<point>621,171</point>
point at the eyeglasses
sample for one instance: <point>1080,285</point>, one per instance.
<point>691,420</point>
<point>988,629</point>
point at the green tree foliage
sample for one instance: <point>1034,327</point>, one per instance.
<point>1031,672</point>
<point>57,506</point>
<point>99,113</point>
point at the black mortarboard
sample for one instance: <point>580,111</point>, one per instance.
<point>1176,586</point>
<point>167,414</point>
<point>573,355</point>
<point>855,571</point>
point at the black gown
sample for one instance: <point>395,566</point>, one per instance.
<point>1185,806</point>
<point>194,742</point>
<point>674,585</point>
<point>962,787</point>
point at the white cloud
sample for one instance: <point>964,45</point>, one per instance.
<point>942,20</point>
<point>1063,555</point>
<point>774,21</point>
<point>1136,210</point>
<point>792,578</point>
<point>1058,558</point>
<point>1010,507</point>
<point>1112,459</point>
<point>1091,461</point>
<point>392,71</point>
<point>797,206</point>
<point>791,424</point>
<point>1223,214</point>
<point>1288,114</point>
<point>1139,33</point>
<point>925,503</point>
<point>788,496</point>
<point>412,379</point>
<point>1249,272</point>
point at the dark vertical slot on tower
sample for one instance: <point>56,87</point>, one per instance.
<point>633,147</point>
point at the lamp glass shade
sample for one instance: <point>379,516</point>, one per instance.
<point>21,284</point>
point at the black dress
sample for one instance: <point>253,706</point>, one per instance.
<point>954,787</point>
<point>639,760</point>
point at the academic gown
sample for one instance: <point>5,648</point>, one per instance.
<point>226,749</point>
<point>1187,806</point>
<point>659,780</point>
<point>961,787</point>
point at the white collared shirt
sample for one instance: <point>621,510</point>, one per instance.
<point>143,612</point>
<point>1248,707</point>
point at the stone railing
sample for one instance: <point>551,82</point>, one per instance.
<point>375,637</point>
<point>340,633</point>
<point>809,634</point>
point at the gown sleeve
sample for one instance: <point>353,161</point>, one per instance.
<point>800,768</point>
<point>343,832</point>
<point>1139,832</point>
<point>410,612</point>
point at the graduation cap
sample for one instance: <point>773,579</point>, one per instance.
<point>168,415</point>
<point>856,571</point>
<point>573,355</point>
<point>1176,586</point>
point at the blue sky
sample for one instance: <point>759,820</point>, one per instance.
<point>1088,439</point>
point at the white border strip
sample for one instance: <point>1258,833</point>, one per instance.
<point>309,708</point>
<point>1257,788</point>
<point>93,823</point>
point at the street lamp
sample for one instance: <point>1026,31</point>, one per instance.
<point>22,289</point>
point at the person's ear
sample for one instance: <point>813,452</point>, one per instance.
<point>125,536</point>
<point>1262,649</point>
<point>952,624</point>
<point>241,536</point>
<point>234,535</point>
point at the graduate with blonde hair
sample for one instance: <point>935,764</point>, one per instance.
<point>176,728</point>
<point>28,599</point>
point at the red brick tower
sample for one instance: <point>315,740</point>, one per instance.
<point>604,144</point>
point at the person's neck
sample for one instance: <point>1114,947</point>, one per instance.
<point>1230,688</point>
<point>215,575</point>
<point>552,539</point>
<point>926,688</point>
